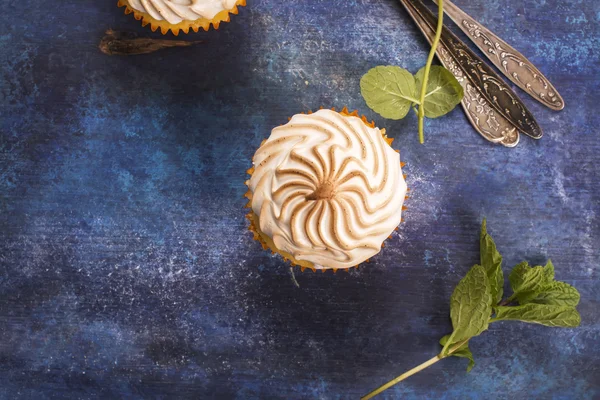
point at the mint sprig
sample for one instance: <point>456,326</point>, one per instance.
<point>391,91</point>
<point>477,302</point>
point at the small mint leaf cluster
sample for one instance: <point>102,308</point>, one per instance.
<point>391,91</point>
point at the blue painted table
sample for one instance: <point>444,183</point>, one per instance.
<point>125,266</point>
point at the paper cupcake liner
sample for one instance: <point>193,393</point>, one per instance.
<point>268,244</point>
<point>184,26</point>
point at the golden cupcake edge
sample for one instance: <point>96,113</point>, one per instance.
<point>184,26</point>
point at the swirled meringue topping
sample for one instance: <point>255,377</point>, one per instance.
<point>327,189</point>
<point>175,11</point>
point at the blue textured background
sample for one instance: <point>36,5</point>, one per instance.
<point>125,266</point>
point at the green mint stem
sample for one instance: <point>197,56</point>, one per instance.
<point>413,371</point>
<point>436,40</point>
<point>506,301</point>
<point>401,377</point>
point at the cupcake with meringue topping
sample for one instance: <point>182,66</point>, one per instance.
<point>326,190</point>
<point>181,15</point>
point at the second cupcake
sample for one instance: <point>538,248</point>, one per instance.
<point>326,190</point>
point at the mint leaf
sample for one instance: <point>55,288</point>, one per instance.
<point>549,272</point>
<point>545,314</point>
<point>526,282</point>
<point>470,306</point>
<point>463,351</point>
<point>537,285</point>
<point>443,91</point>
<point>491,261</point>
<point>558,293</point>
<point>389,91</point>
<point>516,275</point>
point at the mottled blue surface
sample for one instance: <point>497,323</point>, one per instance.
<point>125,266</point>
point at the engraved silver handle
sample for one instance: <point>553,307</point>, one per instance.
<point>485,80</point>
<point>509,61</point>
<point>486,121</point>
<point>491,125</point>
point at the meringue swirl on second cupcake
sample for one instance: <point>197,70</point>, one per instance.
<point>327,189</point>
